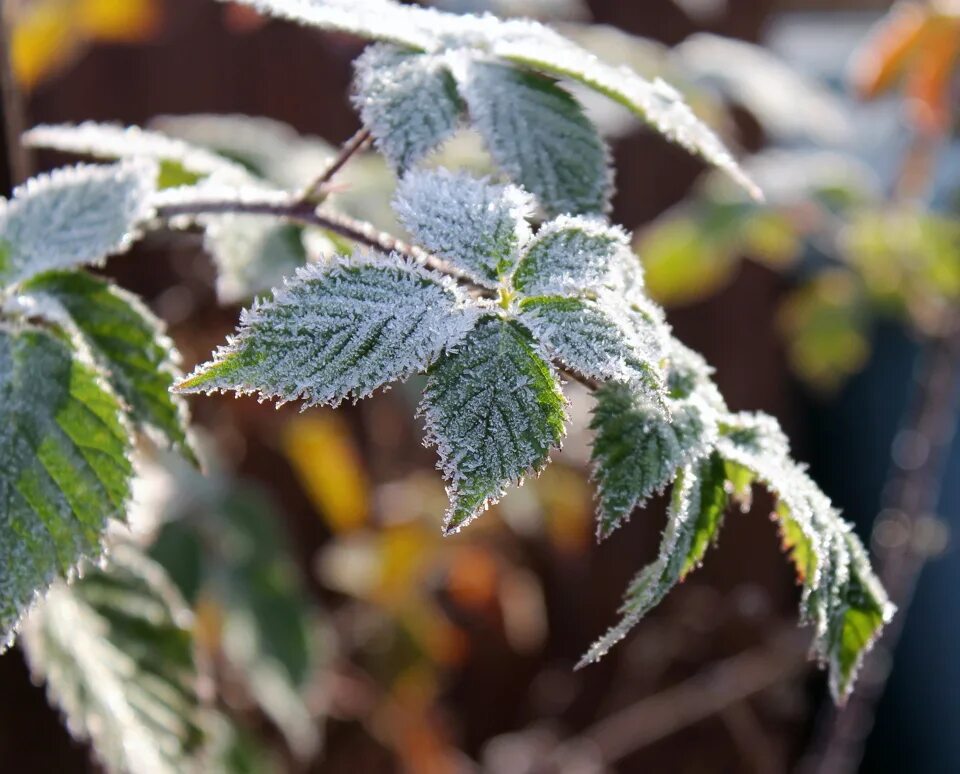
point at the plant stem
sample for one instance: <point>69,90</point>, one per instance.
<point>905,536</point>
<point>316,191</point>
<point>308,214</point>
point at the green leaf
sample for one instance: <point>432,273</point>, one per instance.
<point>657,103</point>
<point>696,509</point>
<point>572,254</point>
<point>73,216</point>
<point>64,466</point>
<point>408,101</point>
<point>116,653</point>
<point>597,339</point>
<point>339,331</point>
<point>538,134</point>
<point>494,410</point>
<point>477,226</point>
<point>641,445</point>
<point>220,540</point>
<point>842,598</point>
<point>125,340</point>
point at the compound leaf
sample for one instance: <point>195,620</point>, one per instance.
<point>125,340</point>
<point>478,227</point>
<point>408,101</point>
<point>64,466</point>
<point>494,410</point>
<point>338,331</point>
<point>116,654</point>
<point>73,216</point>
<point>538,134</point>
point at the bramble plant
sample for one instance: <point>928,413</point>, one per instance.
<point>510,285</point>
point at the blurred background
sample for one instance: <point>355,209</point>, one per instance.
<point>344,634</point>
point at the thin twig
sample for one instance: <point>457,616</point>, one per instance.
<point>308,214</point>
<point>707,693</point>
<point>913,493</point>
<point>317,190</point>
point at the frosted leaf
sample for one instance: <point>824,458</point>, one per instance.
<point>116,654</point>
<point>571,254</point>
<point>125,340</point>
<point>653,101</point>
<point>641,445</point>
<point>697,504</point>
<point>371,19</point>
<point>538,134</point>
<point>478,227</point>
<point>339,331</point>
<point>73,216</point>
<point>597,339</point>
<point>408,101</point>
<point>272,149</point>
<point>179,162</point>
<point>252,254</point>
<point>64,467</point>
<point>494,410</point>
<point>842,598</point>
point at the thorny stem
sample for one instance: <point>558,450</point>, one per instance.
<point>317,190</point>
<point>906,534</point>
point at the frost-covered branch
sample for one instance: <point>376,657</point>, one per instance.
<point>308,214</point>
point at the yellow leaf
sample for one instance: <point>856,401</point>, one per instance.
<point>323,454</point>
<point>118,20</point>
<point>43,41</point>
